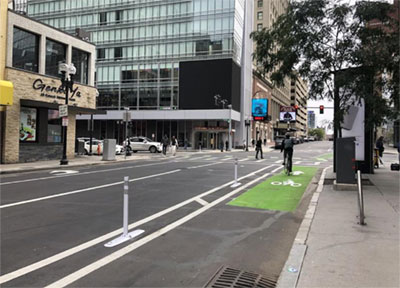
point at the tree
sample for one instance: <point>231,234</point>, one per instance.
<point>318,133</point>
<point>334,45</point>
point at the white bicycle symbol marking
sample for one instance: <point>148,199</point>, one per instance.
<point>286,183</point>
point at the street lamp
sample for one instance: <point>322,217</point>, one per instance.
<point>247,123</point>
<point>230,127</point>
<point>67,71</point>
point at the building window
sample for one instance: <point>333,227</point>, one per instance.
<point>259,27</point>
<point>54,131</point>
<point>27,128</point>
<point>103,18</point>
<point>259,15</point>
<point>118,16</point>
<point>260,3</point>
<point>55,53</point>
<point>81,62</point>
<point>118,52</point>
<point>25,50</point>
<point>101,53</point>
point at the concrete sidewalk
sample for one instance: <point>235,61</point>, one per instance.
<point>338,252</point>
<point>85,160</point>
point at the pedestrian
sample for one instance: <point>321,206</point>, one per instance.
<point>252,143</point>
<point>165,143</point>
<point>226,145</point>
<point>174,145</point>
<point>379,146</point>
<point>259,148</point>
<point>265,141</point>
<point>244,144</point>
<point>221,145</point>
<point>212,143</point>
<point>186,144</point>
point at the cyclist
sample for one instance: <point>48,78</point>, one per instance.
<point>287,147</point>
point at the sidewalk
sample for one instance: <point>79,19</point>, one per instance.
<point>338,252</point>
<point>85,160</point>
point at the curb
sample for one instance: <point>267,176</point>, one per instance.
<point>291,270</point>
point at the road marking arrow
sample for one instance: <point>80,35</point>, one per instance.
<point>296,173</point>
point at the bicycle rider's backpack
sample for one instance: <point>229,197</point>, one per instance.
<point>288,144</point>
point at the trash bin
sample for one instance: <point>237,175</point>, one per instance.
<point>81,148</point>
<point>109,149</point>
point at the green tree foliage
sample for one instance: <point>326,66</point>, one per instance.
<point>335,45</point>
<point>318,133</point>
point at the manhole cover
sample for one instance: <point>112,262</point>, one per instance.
<point>229,277</point>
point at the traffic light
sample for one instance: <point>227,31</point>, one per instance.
<point>296,107</point>
<point>321,109</point>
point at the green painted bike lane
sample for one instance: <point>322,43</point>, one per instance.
<point>280,192</point>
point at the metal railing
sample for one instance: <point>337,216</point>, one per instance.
<point>360,198</point>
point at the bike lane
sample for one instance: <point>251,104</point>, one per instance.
<point>279,193</point>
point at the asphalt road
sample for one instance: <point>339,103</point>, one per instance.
<point>54,227</point>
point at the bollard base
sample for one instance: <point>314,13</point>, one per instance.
<point>124,238</point>
<point>237,184</point>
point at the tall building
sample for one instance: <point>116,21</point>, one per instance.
<point>298,98</point>
<point>311,120</point>
<point>266,12</point>
<point>165,60</point>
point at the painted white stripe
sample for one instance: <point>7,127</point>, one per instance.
<point>279,161</point>
<point>296,158</point>
<point>205,165</point>
<point>225,159</point>
<point>122,252</point>
<point>84,190</point>
<point>81,173</point>
<point>297,162</point>
<point>322,159</point>
<point>198,158</point>
<point>317,163</point>
<point>273,157</point>
<point>30,268</point>
<point>244,159</point>
<point>261,160</point>
<point>202,202</point>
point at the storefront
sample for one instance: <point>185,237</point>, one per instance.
<point>32,126</point>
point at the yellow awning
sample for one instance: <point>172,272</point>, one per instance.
<point>6,92</point>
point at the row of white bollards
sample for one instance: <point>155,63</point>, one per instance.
<point>125,234</point>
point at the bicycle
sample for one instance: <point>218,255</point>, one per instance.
<point>288,165</point>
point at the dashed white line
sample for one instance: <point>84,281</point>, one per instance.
<point>205,165</point>
<point>201,202</point>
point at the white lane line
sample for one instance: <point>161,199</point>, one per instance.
<point>225,159</point>
<point>261,160</point>
<point>122,252</point>
<point>205,165</point>
<point>322,159</point>
<point>244,159</point>
<point>82,173</point>
<point>297,162</point>
<point>85,190</point>
<point>42,263</point>
<point>296,158</point>
<point>317,163</point>
<point>277,162</point>
<point>201,202</point>
<point>198,158</point>
<point>273,157</point>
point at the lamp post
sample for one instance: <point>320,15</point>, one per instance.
<point>247,123</point>
<point>67,71</point>
<point>230,127</point>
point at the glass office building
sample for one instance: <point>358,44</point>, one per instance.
<point>142,43</point>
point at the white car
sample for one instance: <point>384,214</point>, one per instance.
<point>95,145</point>
<point>143,144</point>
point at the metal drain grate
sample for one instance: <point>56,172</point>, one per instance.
<point>229,277</point>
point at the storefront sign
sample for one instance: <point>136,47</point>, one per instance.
<point>54,92</point>
<point>27,130</point>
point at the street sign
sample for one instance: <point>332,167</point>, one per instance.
<point>63,110</point>
<point>126,116</point>
<point>65,121</point>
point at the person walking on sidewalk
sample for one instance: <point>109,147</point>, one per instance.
<point>379,146</point>
<point>165,143</point>
<point>174,145</point>
<point>226,145</point>
<point>259,148</point>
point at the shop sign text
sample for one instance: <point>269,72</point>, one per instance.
<point>53,91</point>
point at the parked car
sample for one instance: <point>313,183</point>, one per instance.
<point>95,144</point>
<point>278,141</point>
<point>295,140</point>
<point>143,144</point>
<point>311,138</point>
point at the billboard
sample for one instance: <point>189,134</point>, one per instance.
<point>259,109</point>
<point>287,114</point>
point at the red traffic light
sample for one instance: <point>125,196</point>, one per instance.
<point>296,107</point>
<point>321,109</point>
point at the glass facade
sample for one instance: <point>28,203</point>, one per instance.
<point>81,62</point>
<point>55,53</point>
<point>140,43</point>
<point>25,50</point>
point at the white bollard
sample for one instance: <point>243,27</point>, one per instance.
<point>236,184</point>
<point>125,235</point>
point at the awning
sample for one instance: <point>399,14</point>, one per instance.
<point>72,108</point>
<point>6,92</point>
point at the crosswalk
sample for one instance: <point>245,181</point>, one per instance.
<point>249,159</point>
